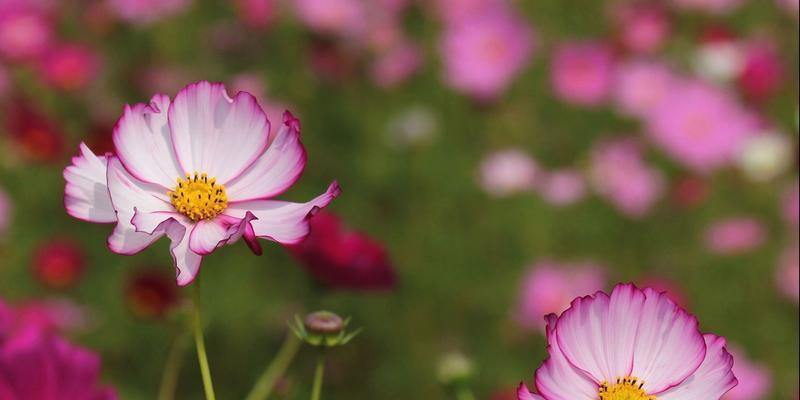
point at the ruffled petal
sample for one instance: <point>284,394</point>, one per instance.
<point>276,170</point>
<point>524,394</point>
<point>282,221</point>
<point>669,345</point>
<point>86,193</point>
<point>215,134</point>
<point>557,379</point>
<point>713,379</point>
<point>143,143</point>
<point>187,262</point>
<point>208,235</point>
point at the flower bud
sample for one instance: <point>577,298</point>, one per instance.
<point>323,329</point>
<point>454,369</point>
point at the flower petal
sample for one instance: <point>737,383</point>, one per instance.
<point>713,379</point>
<point>282,221</point>
<point>86,193</point>
<point>524,394</point>
<point>669,346</point>
<point>276,170</point>
<point>557,379</point>
<point>215,134</point>
<point>143,144</point>
<point>187,262</point>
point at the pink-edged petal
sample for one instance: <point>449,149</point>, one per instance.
<point>524,394</point>
<point>557,379</point>
<point>128,196</point>
<point>276,170</point>
<point>252,240</point>
<point>86,193</point>
<point>713,379</point>
<point>149,222</point>
<point>143,144</point>
<point>187,262</point>
<point>669,345</point>
<point>208,235</point>
<point>215,134</point>
<point>281,221</point>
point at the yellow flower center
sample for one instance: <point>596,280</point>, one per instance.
<point>198,197</point>
<point>629,388</point>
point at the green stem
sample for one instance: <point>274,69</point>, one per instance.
<point>276,369</point>
<point>205,371</point>
<point>316,391</point>
<point>463,393</point>
<point>172,367</point>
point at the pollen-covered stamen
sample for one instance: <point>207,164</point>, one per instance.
<point>629,388</point>
<point>198,197</point>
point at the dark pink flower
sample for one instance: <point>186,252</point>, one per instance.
<point>35,135</point>
<point>69,67</point>
<point>147,11</point>
<point>581,72</point>
<point>58,263</point>
<point>26,31</point>
<point>689,191</point>
<point>787,276</point>
<point>151,293</point>
<point>762,71</point>
<point>257,14</point>
<point>643,26</point>
<point>344,259</point>
<point>735,235</point>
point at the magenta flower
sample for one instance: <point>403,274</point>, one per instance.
<point>147,11</point>
<point>700,126</point>
<point>548,288</point>
<point>58,263</point>
<point>69,67</point>
<point>581,72</point>
<point>202,170</point>
<point>735,235</point>
<point>639,86</point>
<point>755,379</point>
<point>506,172</point>
<point>762,71</point>
<point>634,344</point>
<point>787,276</point>
<point>643,27</point>
<point>257,14</point>
<point>483,54</point>
<point>26,30</point>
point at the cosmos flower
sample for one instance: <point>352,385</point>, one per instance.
<point>257,14</point>
<point>639,86</point>
<point>755,379</point>
<point>506,172</point>
<point>561,187</point>
<point>581,72</point>
<point>147,11</point>
<point>735,235</point>
<point>26,30</point>
<point>791,204</point>
<point>708,6</point>
<point>58,263</point>
<point>34,134</point>
<point>5,212</point>
<point>762,71</point>
<point>337,17</point>
<point>643,26</point>
<point>633,344</point>
<point>787,276</point>
<point>69,67</point>
<point>202,170</point>
<point>49,315</point>
<point>150,294</point>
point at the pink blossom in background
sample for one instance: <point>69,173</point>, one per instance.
<point>667,286</point>
<point>735,235</point>
<point>344,259</point>
<point>69,67</point>
<point>791,204</point>
<point>620,174</point>
<point>26,31</point>
<point>582,72</point>
<point>257,14</point>
<point>548,287</point>
<point>766,155</point>
<point>708,6</point>
<point>338,17</point>
<point>5,213</point>
<point>561,187</point>
<point>640,85</point>
<point>483,54</point>
<point>151,293</point>
<point>456,11</point>
<point>163,78</point>
<point>755,379</point>
<point>35,136</point>
<point>5,82</point>
<point>395,65</point>
<point>762,71</point>
<point>689,191</point>
<point>791,6</point>
<point>58,263</point>
<point>147,11</point>
<point>50,315</point>
<point>506,172</point>
<point>787,276</point>
<point>701,126</point>
<point>642,27</point>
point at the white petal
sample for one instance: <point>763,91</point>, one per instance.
<point>143,143</point>
<point>187,262</point>
<point>86,193</point>
<point>215,134</point>
<point>557,379</point>
<point>276,170</point>
<point>713,379</point>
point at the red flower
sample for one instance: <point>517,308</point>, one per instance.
<point>151,294</point>
<point>36,136</point>
<point>58,263</point>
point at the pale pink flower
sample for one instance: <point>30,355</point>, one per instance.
<point>506,172</point>
<point>787,276</point>
<point>25,31</point>
<point>643,27</point>
<point>755,379</point>
<point>766,156</point>
<point>147,11</point>
<point>483,54</point>
<point>5,213</point>
<point>581,72</point>
<point>791,204</point>
<point>51,315</point>
<point>395,65</point>
<point>201,169</point>
<point>338,17</point>
<point>69,67</point>
<point>640,85</point>
<point>561,187</point>
<point>620,174</point>
<point>735,235</point>
<point>548,287</point>
<point>455,11</point>
<point>791,6</point>
<point>708,6</point>
<point>718,59</point>
<point>700,126</point>
<point>633,344</point>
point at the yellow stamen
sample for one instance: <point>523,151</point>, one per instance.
<point>629,388</point>
<point>198,197</point>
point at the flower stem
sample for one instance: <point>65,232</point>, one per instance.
<point>277,367</point>
<point>316,391</point>
<point>205,371</point>
<point>172,367</point>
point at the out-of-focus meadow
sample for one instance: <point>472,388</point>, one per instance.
<point>497,159</point>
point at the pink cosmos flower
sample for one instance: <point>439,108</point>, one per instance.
<point>257,14</point>
<point>147,11</point>
<point>561,187</point>
<point>201,169</point>
<point>735,235</point>
<point>35,135</point>
<point>58,263</point>
<point>791,204</point>
<point>455,11</point>
<point>643,27</point>
<point>395,65</point>
<point>709,6</point>
<point>548,287</point>
<point>483,54</point>
<point>49,315</point>
<point>634,344</point>
<point>581,72</point>
<point>344,259</point>
<point>689,191</point>
<point>150,294</point>
<point>620,175</point>
<point>787,276</point>
<point>791,6</point>
<point>700,126</point>
<point>755,379</point>
<point>69,67</point>
<point>506,172</point>
<point>25,31</point>
<point>338,17</point>
<point>5,212</point>
<point>762,71</point>
<point>640,85</point>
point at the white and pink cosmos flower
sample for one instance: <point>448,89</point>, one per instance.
<point>632,345</point>
<point>202,169</point>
